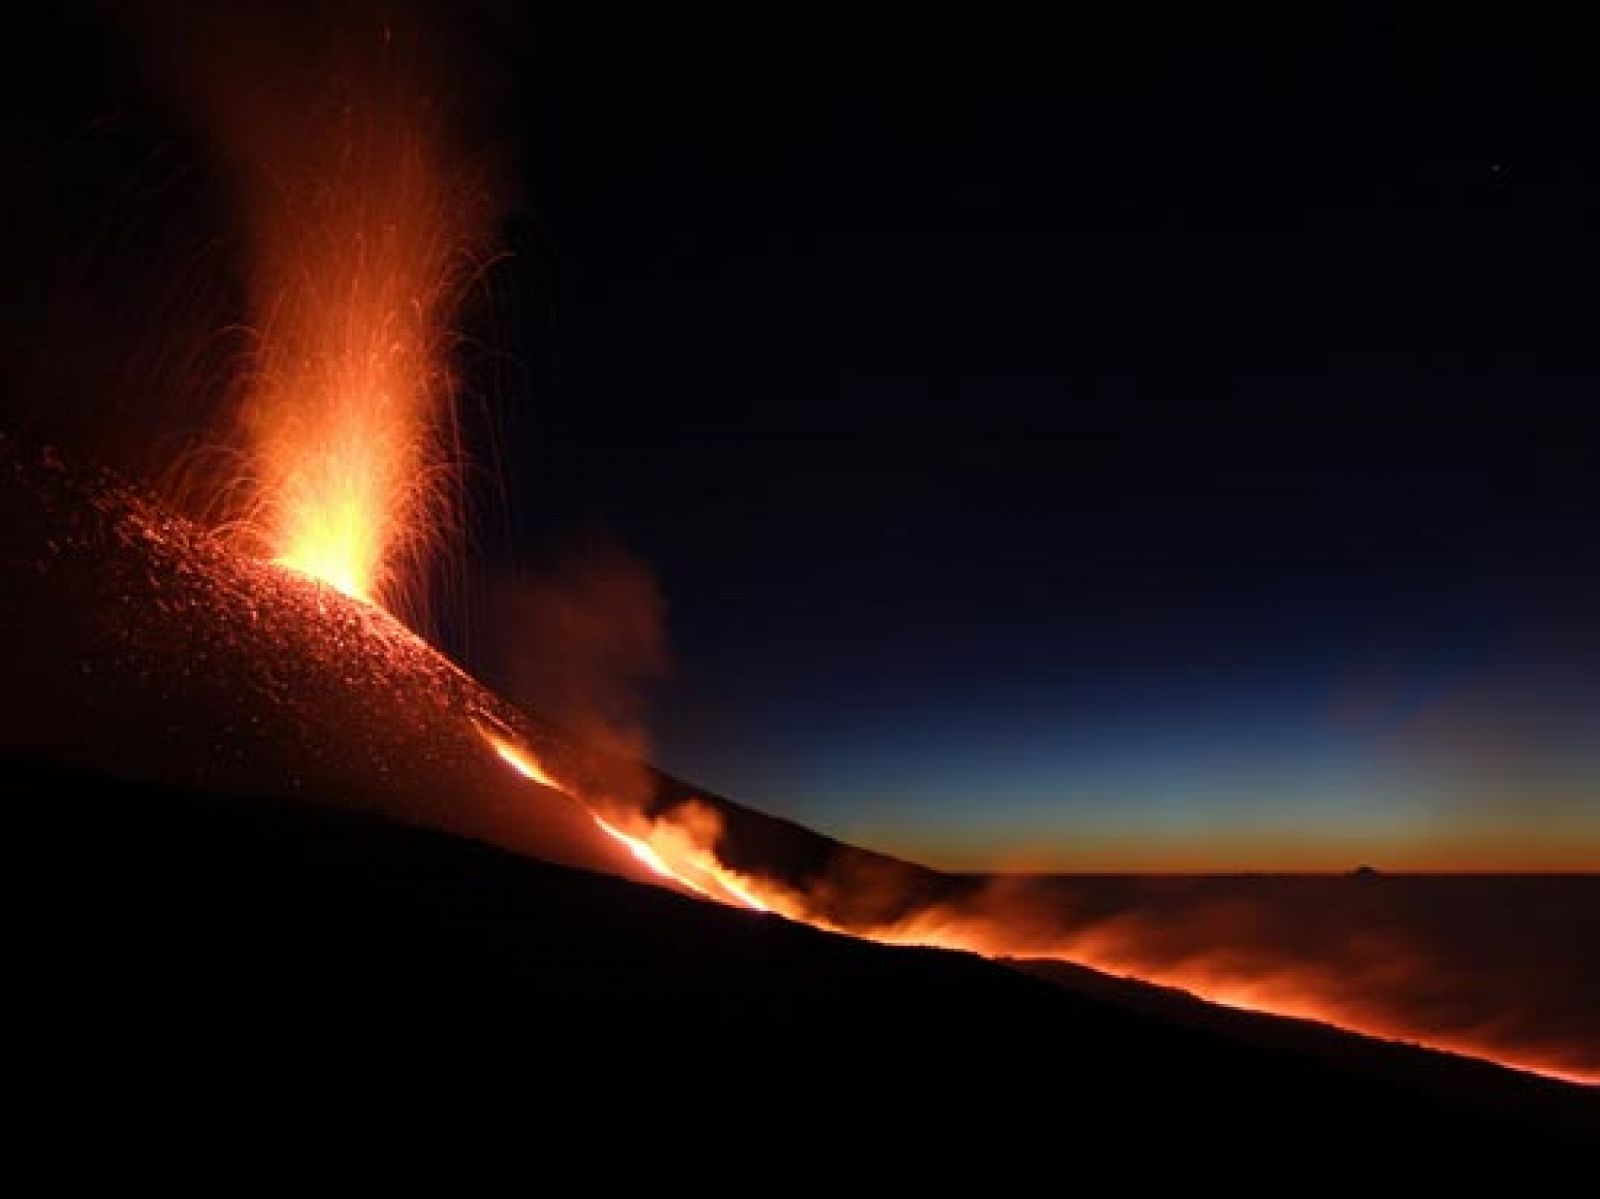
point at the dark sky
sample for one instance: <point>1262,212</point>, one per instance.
<point>1166,440</point>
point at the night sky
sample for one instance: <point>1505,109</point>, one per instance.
<point>1157,443</point>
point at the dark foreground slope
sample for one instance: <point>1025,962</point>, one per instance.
<point>235,994</point>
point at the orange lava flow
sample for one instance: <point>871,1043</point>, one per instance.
<point>522,762</point>
<point>1274,1001</point>
<point>1293,993</point>
<point>679,851</point>
<point>647,854</point>
<point>664,850</point>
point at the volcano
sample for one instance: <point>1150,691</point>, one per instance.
<point>146,646</point>
<point>289,919</point>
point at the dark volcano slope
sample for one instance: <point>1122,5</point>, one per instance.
<point>138,642</point>
<point>242,995</point>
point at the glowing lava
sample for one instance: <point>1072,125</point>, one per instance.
<point>692,867</point>
<point>364,220</point>
<point>680,846</point>
<point>522,762</point>
<point>647,854</point>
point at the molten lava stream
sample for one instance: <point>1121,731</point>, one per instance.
<point>1213,983</point>
<point>716,884</point>
<point>693,865</point>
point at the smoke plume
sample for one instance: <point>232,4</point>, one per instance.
<point>581,641</point>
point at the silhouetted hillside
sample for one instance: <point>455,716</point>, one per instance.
<point>240,993</point>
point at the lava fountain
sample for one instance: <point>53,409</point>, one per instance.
<point>365,223</point>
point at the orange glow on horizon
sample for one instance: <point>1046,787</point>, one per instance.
<point>1554,846</point>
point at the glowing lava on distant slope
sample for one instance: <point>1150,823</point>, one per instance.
<point>1016,921</point>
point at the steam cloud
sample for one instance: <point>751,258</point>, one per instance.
<point>581,642</point>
